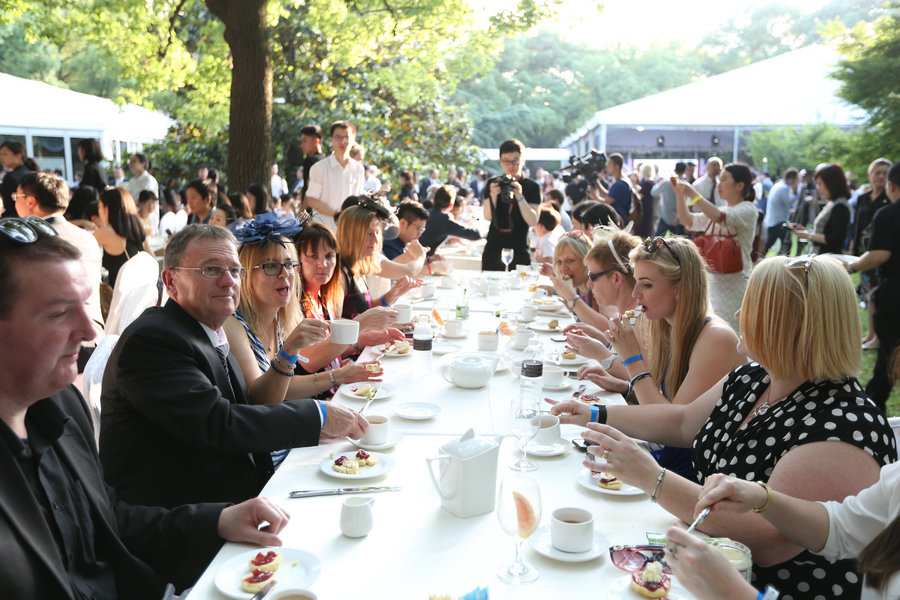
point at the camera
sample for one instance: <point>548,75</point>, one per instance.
<point>587,165</point>
<point>506,190</point>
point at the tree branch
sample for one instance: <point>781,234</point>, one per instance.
<point>171,33</point>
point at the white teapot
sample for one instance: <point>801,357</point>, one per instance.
<point>467,481</point>
<point>469,369</point>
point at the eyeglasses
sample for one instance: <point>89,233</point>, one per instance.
<point>18,195</point>
<point>804,261</point>
<point>26,230</point>
<point>506,161</point>
<point>575,233</point>
<point>635,558</point>
<point>216,272</point>
<point>595,276</point>
<point>274,269</point>
<point>651,245</point>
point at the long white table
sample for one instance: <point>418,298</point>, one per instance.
<point>416,548</point>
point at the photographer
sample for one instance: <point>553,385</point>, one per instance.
<point>512,207</point>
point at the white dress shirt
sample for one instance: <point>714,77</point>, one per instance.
<point>331,184</point>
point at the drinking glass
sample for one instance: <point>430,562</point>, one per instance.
<point>506,255</point>
<point>519,513</point>
<point>524,422</point>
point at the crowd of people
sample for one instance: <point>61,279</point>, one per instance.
<point>737,370</point>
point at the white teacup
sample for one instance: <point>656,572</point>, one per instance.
<point>523,334</point>
<point>488,341</point>
<point>292,594</point>
<point>404,313</point>
<point>572,529</point>
<point>344,331</point>
<point>548,434</point>
<point>453,327</point>
<point>447,281</point>
<point>528,312</point>
<point>427,290</point>
<point>356,517</point>
<point>377,433</point>
<point>553,376</point>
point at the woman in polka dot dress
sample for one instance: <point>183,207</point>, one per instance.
<point>796,419</point>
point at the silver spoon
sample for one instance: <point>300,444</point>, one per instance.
<point>703,514</point>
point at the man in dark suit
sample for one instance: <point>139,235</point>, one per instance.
<point>63,532</point>
<point>175,423</point>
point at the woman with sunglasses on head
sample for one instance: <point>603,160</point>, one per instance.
<point>738,218</point>
<point>687,349</point>
<point>795,420</point>
<point>833,221</point>
<point>120,232</point>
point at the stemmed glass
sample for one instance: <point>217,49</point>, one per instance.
<point>506,255</point>
<point>519,513</point>
<point>524,422</point>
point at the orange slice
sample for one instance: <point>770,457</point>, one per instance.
<point>524,515</point>
<point>437,316</point>
<point>505,329</point>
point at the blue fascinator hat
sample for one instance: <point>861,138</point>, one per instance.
<point>269,227</point>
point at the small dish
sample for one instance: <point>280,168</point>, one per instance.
<point>570,362</point>
<point>384,391</point>
<point>586,481</point>
<point>555,449</point>
<point>299,569</point>
<point>543,327</point>
<point>565,385</point>
<point>394,353</point>
<point>384,465</point>
<point>417,411</point>
<point>394,438</point>
<point>621,590</point>
<point>442,348</point>
<point>459,336</point>
<point>540,542</point>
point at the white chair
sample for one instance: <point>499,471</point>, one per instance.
<point>894,422</point>
<point>134,291</point>
<point>92,378</point>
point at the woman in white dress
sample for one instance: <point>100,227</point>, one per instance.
<point>738,218</point>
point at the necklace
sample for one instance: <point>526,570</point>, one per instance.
<point>764,407</point>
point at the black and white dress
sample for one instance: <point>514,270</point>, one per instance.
<point>813,412</point>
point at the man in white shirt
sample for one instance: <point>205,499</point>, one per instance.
<point>707,184</point>
<point>277,185</point>
<point>332,180</point>
<point>142,179</point>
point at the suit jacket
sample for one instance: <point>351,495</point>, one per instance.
<point>170,431</point>
<point>91,258</point>
<point>145,545</point>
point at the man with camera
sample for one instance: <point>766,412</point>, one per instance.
<point>512,206</point>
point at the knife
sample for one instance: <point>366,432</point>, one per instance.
<point>263,592</point>
<point>339,491</point>
<point>371,397</point>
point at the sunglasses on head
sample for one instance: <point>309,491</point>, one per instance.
<point>804,261</point>
<point>651,245</point>
<point>634,558</point>
<point>26,230</point>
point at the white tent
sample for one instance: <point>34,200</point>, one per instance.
<point>791,89</point>
<point>49,121</point>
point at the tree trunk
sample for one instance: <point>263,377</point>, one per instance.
<point>250,130</point>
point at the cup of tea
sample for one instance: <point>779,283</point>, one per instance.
<point>446,281</point>
<point>404,312</point>
<point>453,327</point>
<point>523,334</point>
<point>553,376</point>
<point>344,331</point>
<point>528,312</point>
<point>427,290</point>
<point>292,594</point>
<point>572,529</point>
<point>378,430</point>
<point>548,432</point>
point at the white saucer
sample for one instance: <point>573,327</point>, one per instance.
<point>460,336</point>
<point>620,589</point>
<point>384,391</point>
<point>394,438</point>
<point>417,411</point>
<point>565,385</point>
<point>542,327</point>
<point>570,362</point>
<point>586,481</point>
<point>557,448</point>
<point>540,542</point>
<point>441,348</point>
<point>299,568</point>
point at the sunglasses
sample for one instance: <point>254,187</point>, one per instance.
<point>651,245</point>
<point>26,230</point>
<point>634,558</point>
<point>595,276</point>
<point>804,261</point>
<point>575,233</point>
<point>274,269</point>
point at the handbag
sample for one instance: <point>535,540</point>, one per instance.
<point>721,252</point>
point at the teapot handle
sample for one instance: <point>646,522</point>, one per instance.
<point>434,480</point>
<point>444,369</point>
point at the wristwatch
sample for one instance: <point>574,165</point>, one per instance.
<point>607,362</point>
<point>570,303</point>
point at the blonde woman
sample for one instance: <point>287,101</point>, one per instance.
<point>793,419</point>
<point>569,273</point>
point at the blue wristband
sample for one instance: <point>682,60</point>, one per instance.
<point>632,359</point>
<point>288,357</point>
<point>324,412</point>
<point>383,301</point>
<point>594,410</point>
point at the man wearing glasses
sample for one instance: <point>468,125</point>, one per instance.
<point>176,426</point>
<point>512,206</point>
<point>334,179</point>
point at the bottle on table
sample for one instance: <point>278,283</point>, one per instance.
<point>422,342</point>
<point>462,305</point>
<point>532,374</point>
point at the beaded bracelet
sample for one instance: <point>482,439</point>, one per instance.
<point>279,371</point>
<point>659,480</point>
<point>286,366</point>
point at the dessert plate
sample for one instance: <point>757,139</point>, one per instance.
<point>384,391</point>
<point>540,542</point>
<point>585,480</point>
<point>621,590</point>
<point>441,348</point>
<point>417,411</point>
<point>298,569</point>
<point>570,362</point>
<point>384,465</point>
<point>393,353</point>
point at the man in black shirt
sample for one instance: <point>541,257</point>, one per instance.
<point>311,146</point>
<point>511,212</point>
<point>63,532</point>
<point>884,253</point>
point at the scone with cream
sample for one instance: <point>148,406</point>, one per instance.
<point>651,581</point>
<point>268,561</point>
<point>609,482</point>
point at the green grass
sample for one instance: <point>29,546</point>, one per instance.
<point>868,356</point>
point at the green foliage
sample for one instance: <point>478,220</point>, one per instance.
<point>176,158</point>
<point>798,147</point>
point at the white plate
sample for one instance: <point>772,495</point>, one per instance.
<point>384,465</point>
<point>620,589</point>
<point>299,575</point>
<point>441,348</point>
<point>394,353</point>
<point>417,411</point>
<point>542,327</point>
<point>550,310</point>
<point>384,391</point>
<point>540,542</point>
<point>570,362</point>
<point>560,447</point>
<point>394,438</point>
<point>460,336</point>
<point>550,305</point>
<point>565,385</point>
<point>585,479</point>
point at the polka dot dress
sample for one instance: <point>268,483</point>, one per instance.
<point>827,411</point>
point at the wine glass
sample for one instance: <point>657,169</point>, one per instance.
<point>524,422</point>
<point>506,255</point>
<point>519,513</point>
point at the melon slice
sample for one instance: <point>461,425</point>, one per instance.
<point>525,515</point>
<point>437,316</point>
